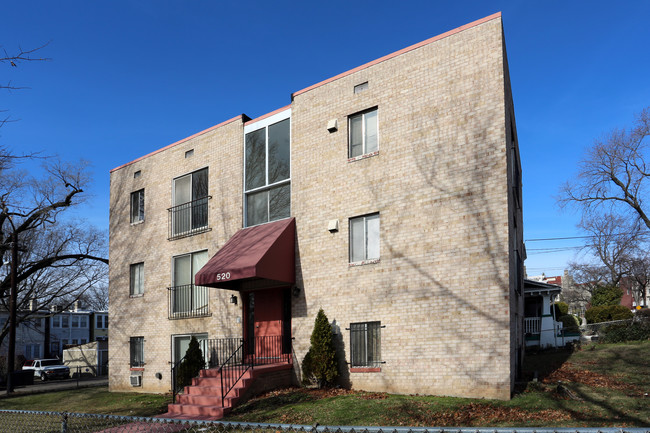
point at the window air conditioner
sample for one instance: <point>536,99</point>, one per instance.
<point>136,380</point>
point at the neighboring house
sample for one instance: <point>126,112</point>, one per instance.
<point>541,327</point>
<point>31,335</point>
<point>384,195</point>
<point>47,332</point>
<point>69,328</point>
<point>556,280</point>
<point>633,297</point>
<point>99,330</point>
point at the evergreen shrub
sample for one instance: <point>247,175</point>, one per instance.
<point>607,313</point>
<point>561,309</point>
<point>191,365</point>
<point>319,365</point>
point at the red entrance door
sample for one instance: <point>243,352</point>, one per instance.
<point>265,325</point>
<point>268,313</point>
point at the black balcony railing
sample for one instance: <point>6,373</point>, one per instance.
<point>189,218</point>
<point>188,301</point>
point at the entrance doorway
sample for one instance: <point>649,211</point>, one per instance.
<point>267,324</point>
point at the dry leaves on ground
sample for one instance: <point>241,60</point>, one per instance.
<point>568,373</point>
<point>418,414</point>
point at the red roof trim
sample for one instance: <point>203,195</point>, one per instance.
<point>402,51</point>
<point>257,119</point>
<point>241,116</point>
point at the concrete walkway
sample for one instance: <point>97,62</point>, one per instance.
<point>56,385</point>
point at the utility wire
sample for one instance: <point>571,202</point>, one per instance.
<point>582,237</point>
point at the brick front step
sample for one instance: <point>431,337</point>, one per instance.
<point>202,400</point>
<point>216,412</point>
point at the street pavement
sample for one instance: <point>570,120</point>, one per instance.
<point>57,385</point>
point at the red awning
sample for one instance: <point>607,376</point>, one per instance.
<point>263,255</point>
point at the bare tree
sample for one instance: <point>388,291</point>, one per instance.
<point>14,59</point>
<point>614,173</point>
<point>96,297</point>
<point>57,261</point>
<point>585,278</point>
<point>615,242</point>
<point>616,246</point>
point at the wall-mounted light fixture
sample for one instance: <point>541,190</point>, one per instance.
<point>332,125</point>
<point>233,299</point>
<point>296,291</point>
<point>159,376</point>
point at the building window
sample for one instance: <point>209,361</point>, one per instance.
<point>102,321</point>
<point>187,299</point>
<point>364,238</point>
<point>83,341</point>
<point>75,321</point>
<point>32,351</point>
<point>136,349</point>
<point>56,321</point>
<point>75,341</point>
<point>83,322</point>
<point>189,211</point>
<point>64,321</point>
<point>365,344</point>
<point>363,133</point>
<point>267,175</point>
<point>137,279</point>
<point>137,206</point>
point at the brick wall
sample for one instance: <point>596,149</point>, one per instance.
<point>444,285</point>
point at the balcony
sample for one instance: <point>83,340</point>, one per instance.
<point>188,219</point>
<point>188,301</point>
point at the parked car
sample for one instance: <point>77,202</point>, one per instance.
<point>47,369</point>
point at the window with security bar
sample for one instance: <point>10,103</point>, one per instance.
<point>365,344</point>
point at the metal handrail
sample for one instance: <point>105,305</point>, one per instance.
<point>173,374</point>
<point>244,368</point>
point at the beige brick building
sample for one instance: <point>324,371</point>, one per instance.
<point>402,182</point>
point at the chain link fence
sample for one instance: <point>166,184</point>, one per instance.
<point>18,421</point>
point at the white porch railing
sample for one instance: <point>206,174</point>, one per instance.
<point>532,325</point>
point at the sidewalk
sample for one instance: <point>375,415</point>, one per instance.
<point>58,385</point>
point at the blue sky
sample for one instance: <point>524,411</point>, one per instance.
<point>129,77</point>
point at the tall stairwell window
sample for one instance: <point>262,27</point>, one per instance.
<point>189,212</point>
<point>267,167</point>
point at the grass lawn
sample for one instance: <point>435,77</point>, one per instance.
<point>598,386</point>
<point>91,400</point>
